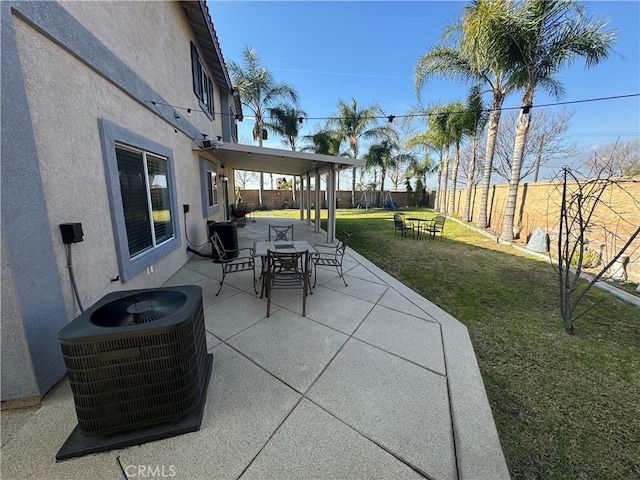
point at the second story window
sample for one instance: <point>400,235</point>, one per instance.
<point>202,85</point>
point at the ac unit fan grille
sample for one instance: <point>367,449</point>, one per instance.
<point>142,307</point>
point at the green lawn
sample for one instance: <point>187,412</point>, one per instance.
<point>565,407</point>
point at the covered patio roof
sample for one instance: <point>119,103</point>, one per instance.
<point>274,160</point>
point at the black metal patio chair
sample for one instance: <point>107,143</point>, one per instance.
<point>281,232</point>
<point>401,225</point>
<point>330,256</point>
<point>232,261</point>
<point>435,226</point>
<point>287,270</point>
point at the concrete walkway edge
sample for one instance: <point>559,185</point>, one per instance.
<point>478,449</point>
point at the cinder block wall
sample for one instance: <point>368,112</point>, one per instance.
<point>275,199</point>
<point>538,205</point>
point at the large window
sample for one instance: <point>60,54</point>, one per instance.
<point>142,198</point>
<point>202,85</point>
<point>146,199</point>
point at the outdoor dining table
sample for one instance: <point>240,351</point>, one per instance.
<point>419,221</point>
<point>282,246</point>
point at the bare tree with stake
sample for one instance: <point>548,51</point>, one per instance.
<point>578,202</point>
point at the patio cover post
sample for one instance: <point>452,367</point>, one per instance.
<point>301,198</point>
<point>318,203</point>
<point>308,199</point>
<point>331,204</point>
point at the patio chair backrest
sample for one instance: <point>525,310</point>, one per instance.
<point>280,232</point>
<point>288,270</point>
<point>216,241</point>
<point>400,225</point>
<point>342,244</point>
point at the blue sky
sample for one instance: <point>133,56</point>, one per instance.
<point>331,51</point>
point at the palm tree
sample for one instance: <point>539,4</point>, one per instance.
<point>458,127</point>
<point>545,35</point>
<point>325,142</point>
<point>420,169</point>
<point>474,56</point>
<point>381,155</point>
<point>475,106</point>
<point>355,123</point>
<point>259,91</point>
<point>432,140</point>
<point>441,128</point>
<point>286,121</point>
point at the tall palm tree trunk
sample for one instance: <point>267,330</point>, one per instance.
<point>492,134</point>
<point>445,183</point>
<point>436,202</point>
<point>522,128</point>
<point>261,186</point>
<point>454,178</point>
<point>471,169</point>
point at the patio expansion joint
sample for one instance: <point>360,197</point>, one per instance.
<point>401,358</point>
<point>378,444</point>
<point>124,473</point>
<point>451,416</point>
<point>275,430</point>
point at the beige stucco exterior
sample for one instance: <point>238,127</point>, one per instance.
<point>66,97</point>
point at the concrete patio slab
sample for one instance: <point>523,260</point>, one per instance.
<point>225,319</point>
<point>362,273</point>
<point>14,420</point>
<point>209,289</point>
<point>336,309</point>
<point>397,404</point>
<point>366,290</point>
<point>290,347</point>
<point>31,451</point>
<point>205,266</point>
<point>245,405</point>
<point>392,299</point>
<point>312,444</point>
<point>411,338</point>
<point>212,341</point>
<point>185,276</point>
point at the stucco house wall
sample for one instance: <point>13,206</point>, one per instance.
<point>76,76</point>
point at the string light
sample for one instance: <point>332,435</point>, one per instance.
<point>525,109</point>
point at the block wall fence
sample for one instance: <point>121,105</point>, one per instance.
<point>275,199</point>
<point>538,205</point>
